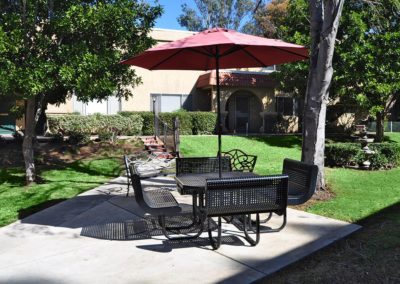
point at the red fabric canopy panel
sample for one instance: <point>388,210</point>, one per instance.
<point>235,50</point>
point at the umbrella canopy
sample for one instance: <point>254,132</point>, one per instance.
<point>218,48</point>
<point>235,50</point>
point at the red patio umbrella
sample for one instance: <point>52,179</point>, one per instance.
<point>218,48</point>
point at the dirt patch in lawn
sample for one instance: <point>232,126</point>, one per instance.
<point>56,153</point>
<point>320,195</point>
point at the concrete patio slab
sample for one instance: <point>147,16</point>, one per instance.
<point>101,237</point>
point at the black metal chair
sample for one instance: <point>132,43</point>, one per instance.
<point>244,196</point>
<point>240,161</point>
<point>160,203</point>
<point>302,180</point>
<point>197,165</point>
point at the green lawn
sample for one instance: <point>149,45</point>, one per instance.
<point>358,194</point>
<point>17,200</point>
<point>270,151</point>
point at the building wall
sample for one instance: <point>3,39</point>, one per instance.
<point>153,82</point>
<point>159,82</point>
<point>60,109</point>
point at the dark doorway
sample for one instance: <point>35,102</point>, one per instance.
<point>243,113</point>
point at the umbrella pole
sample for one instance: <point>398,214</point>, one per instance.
<point>219,122</point>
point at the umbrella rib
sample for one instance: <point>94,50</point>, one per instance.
<point>232,50</point>
<point>252,56</point>
<point>164,60</point>
<point>201,52</point>
<point>291,52</point>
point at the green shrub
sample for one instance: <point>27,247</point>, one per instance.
<point>342,154</point>
<point>386,156</point>
<point>391,152</point>
<point>185,121</point>
<point>190,122</point>
<point>378,161</point>
<point>108,127</point>
<point>204,122</point>
<point>147,120</point>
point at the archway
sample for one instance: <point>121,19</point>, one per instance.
<point>243,109</point>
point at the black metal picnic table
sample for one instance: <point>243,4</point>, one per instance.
<point>196,183</point>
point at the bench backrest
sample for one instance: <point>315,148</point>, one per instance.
<point>302,180</point>
<point>195,165</point>
<point>240,161</point>
<point>136,184</point>
<point>227,196</point>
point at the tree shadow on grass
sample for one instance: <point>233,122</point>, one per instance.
<point>285,141</point>
<point>88,167</point>
<point>12,176</point>
<point>372,252</point>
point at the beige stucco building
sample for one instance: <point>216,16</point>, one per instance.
<point>249,103</point>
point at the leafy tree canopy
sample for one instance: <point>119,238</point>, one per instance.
<point>230,14</point>
<point>366,68</point>
<point>53,48</point>
<point>50,49</point>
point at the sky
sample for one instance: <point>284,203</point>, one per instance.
<point>172,10</point>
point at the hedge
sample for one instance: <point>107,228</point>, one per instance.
<point>147,118</point>
<point>386,156</point>
<point>79,127</point>
<point>190,122</point>
<point>204,122</point>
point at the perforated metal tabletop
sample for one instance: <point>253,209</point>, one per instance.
<point>196,183</point>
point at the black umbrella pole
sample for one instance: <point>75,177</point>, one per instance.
<point>219,123</point>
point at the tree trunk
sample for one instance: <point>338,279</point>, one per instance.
<point>379,127</point>
<point>27,145</point>
<point>325,17</point>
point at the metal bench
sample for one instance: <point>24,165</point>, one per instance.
<point>302,180</point>
<point>160,203</point>
<point>197,165</point>
<point>244,196</point>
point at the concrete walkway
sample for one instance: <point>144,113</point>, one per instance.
<point>101,237</point>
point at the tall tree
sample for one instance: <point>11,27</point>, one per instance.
<point>366,70</point>
<point>50,49</point>
<point>369,70</point>
<point>324,23</point>
<point>269,20</point>
<point>230,14</point>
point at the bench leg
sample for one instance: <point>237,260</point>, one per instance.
<point>247,222</point>
<point>267,219</point>
<point>161,220</point>
<point>129,183</point>
<point>215,243</point>
<point>276,229</point>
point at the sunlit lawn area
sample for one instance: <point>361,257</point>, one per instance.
<point>17,200</point>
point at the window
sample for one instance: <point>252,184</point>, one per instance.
<point>286,105</point>
<point>170,102</point>
<point>110,106</point>
<point>269,69</point>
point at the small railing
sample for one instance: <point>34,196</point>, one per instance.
<point>389,126</point>
<point>167,134</point>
